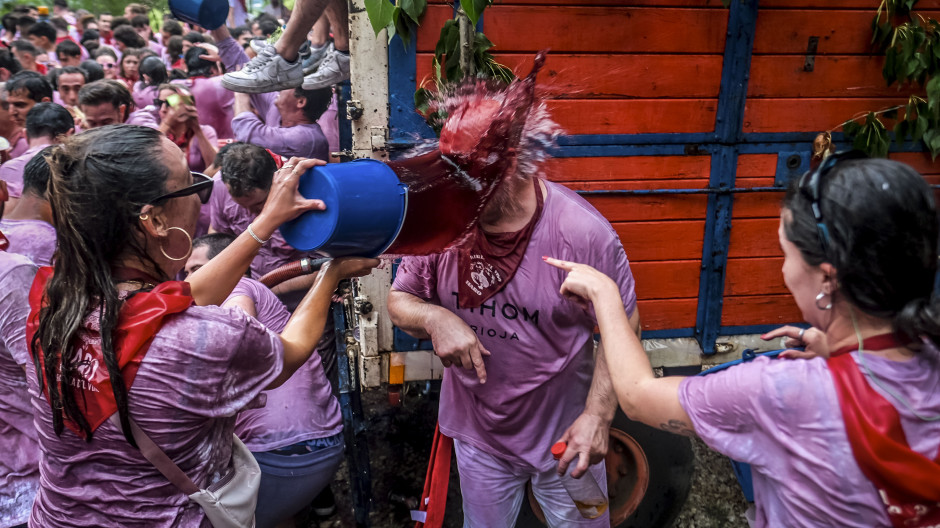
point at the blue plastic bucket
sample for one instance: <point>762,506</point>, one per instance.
<point>210,14</point>
<point>365,209</point>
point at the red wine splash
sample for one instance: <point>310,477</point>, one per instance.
<point>448,191</point>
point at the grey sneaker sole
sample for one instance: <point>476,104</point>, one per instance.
<point>323,83</point>
<point>255,88</point>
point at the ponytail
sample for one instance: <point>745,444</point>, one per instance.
<point>920,317</point>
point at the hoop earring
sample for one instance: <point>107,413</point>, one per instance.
<point>820,297</point>
<point>188,252</point>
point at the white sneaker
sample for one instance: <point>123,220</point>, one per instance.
<point>334,69</point>
<point>316,57</point>
<point>259,44</point>
<point>268,72</point>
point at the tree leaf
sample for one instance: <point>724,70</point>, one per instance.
<point>474,9</point>
<point>441,47</point>
<point>380,14</point>
<point>900,131</point>
<point>851,129</point>
<point>422,100</point>
<point>401,26</point>
<point>413,8</point>
<point>920,128</point>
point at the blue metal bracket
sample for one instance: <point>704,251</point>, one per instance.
<point>742,26</point>
<point>791,165</point>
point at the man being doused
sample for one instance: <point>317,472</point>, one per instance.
<point>523,373</point>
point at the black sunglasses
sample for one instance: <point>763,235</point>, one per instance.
<point>202,186</point>
<point>160,102</point>
<point>810,187</point>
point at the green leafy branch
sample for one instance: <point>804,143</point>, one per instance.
<point>912,57</point>
<point>461,51</point>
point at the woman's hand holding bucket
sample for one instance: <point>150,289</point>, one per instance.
<point>284,201</point>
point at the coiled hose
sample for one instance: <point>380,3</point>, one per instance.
<point>304,266</point>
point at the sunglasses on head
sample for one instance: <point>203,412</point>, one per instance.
<point>202,186</point>
<point>811,187</point>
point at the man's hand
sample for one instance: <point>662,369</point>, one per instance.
<point>587,440</point>
<point>456,344</point>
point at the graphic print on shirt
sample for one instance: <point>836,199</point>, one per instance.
<point>85,364</point>
<point>482,274</point>
<point>500,312</point>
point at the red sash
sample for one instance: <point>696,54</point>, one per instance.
<point>490,261</point>
<point>908,482</point>
<point>4,243</point>
<point>141,317</point>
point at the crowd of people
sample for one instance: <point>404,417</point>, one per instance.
<point>148,373</point>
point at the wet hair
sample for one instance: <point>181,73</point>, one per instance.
<point>9,21</point>
<point>267,27</point>
<point>48,119</point>
<point>246,167</point>
<point>91,46</point>
<point>139,21</point>
<point>195,37</point>
<point>61,3</point>
<point>106,91</point>
<point>93,70</point>
<point>173,28</point>
<point>216,242</point>
<point>42,29</point>
<point>8,61</point>
<point>105,50</point>
<point>35,85</point>
<point>196,65</point>
<point>174,48</point>
<point>100,180</point>
<point>883,229</point>
<point>24,23</point>
<point>25,46</point>
<point>238,31</point>
<point>90,34</point>
<point>128,36</point>
<point>137,9</point>
<point>154,68</point>
<point>60,24</point>
<point>36,174</point>
<point>58,72</point>
<point>119,21</point>
<point>68,48</point>
<point>317,101</point>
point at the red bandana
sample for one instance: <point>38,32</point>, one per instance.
<point>278,160</point>
<point>908,482</point>
<point>487,265</point>
<point>140,319</point>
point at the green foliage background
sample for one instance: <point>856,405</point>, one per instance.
<point>115,7</point>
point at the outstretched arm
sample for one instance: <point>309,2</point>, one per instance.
<point>642,396</point>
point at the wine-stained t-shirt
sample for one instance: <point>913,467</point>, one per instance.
<point>301,409</point>
<point>19,463</point>
<point>204,366</point>
<point>541,366</point>
<point>783,418</point>
<point>34,239</point>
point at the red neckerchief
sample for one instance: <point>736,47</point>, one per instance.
<point>183,141</point>
<point>489,262</point>
<point>107,36</point>
<point>141,317</point>
<point>908,482</point>
<point>4,243</point>
<point>278,160</point>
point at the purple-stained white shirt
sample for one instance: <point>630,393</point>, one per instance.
<point>143,95</point>
<point>19,147</point>
<point>19,465</point>
<point>12,171</point>
<point>214,103</point>
<point>303,408</point>
<point>541,366</point>
<point>783,418</point>
<point>34,239</point>
<point>306,140</point>
<point>203,367</point>
<point>226,216</point>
